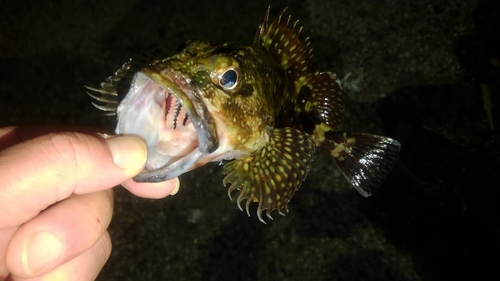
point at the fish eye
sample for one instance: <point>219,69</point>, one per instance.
<point>227,78</point>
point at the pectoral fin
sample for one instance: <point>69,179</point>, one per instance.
<point>271,175</point>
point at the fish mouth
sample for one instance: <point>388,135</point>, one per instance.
<point>166,110</point>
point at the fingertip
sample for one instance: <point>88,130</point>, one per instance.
<point>128,152</point>
<point>39,251</point>
<point>85,266</point>
<point>177,186</point>
<point>59,234</point>
<point>154,190</point>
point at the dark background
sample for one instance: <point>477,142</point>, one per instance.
<point>422,65</point>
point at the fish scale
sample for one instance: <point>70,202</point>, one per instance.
<point>257,108</point>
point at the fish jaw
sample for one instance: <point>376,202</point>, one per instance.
<point>166,111</point>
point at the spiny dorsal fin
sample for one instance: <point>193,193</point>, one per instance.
<point>282,40</point>
<point>107,95</point>
<point>117,85</point>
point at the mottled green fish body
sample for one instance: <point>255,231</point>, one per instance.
<point>258,106</point>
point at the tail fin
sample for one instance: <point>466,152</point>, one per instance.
<point>364,159</point>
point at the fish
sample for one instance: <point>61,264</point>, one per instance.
<point>258,109</point>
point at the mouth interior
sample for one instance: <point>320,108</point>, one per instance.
<point>155,114</point>
<point>177,135</point>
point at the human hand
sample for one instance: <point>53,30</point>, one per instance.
<point>56,200</point>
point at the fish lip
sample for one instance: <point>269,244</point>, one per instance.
<point>190,97</point>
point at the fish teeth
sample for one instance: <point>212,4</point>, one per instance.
<point>168,104</point>
<point>186,117</point>
<point>177,112</point>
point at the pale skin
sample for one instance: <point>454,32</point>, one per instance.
<point>56,199</point>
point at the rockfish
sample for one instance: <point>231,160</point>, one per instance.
<point>258,107</point>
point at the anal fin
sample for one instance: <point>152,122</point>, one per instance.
<point>364,159</point>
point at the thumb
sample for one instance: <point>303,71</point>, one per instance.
<point>42,171</point>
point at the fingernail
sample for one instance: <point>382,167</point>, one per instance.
<point>128,152</point>
<point>177,185</point>
<point>40,251</point>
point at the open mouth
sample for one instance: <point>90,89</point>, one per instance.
<point>167,111</point>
